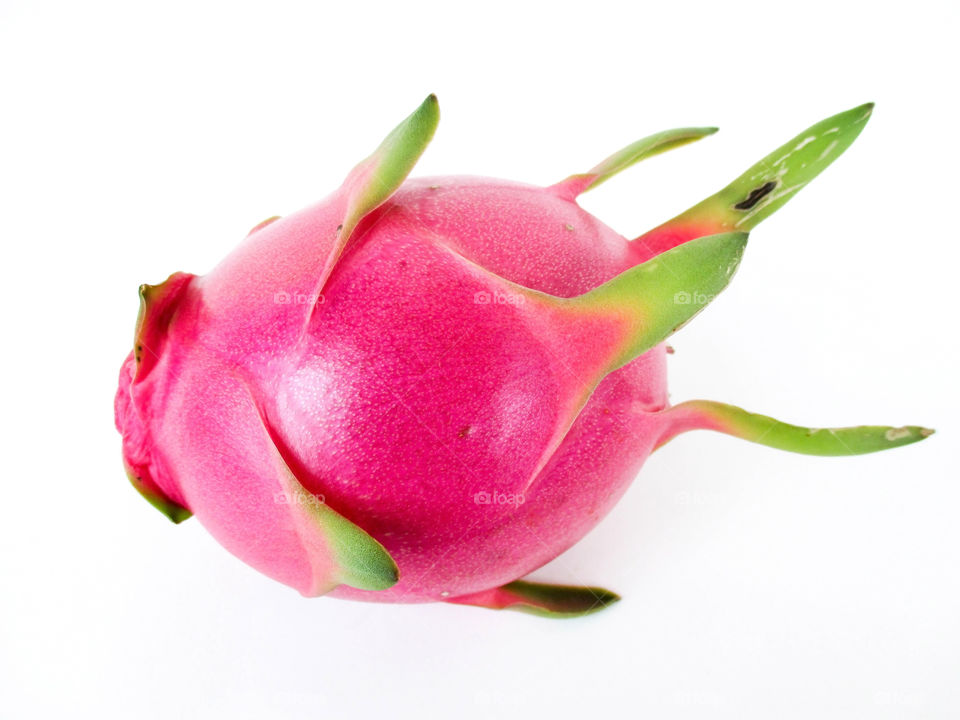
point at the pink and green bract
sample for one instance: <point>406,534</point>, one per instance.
<point>423,389</point>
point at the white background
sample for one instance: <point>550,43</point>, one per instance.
<point>140,139</point>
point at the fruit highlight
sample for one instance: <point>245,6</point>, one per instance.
<point>421,390</point>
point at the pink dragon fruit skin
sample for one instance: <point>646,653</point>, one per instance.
<point>422,390</point>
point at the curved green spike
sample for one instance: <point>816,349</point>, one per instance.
<point>148,490</point>
<point>341,552</point>
<point>767,185</point>
<point>606,328</point>
<point>553,601</point>
<point>662,295</point>
<point>729,419</point>
<point>622,159</point>
<point>376,178</point>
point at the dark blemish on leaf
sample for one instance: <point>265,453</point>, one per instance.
<point>339,227</point>
<point>464,431</point>
<point>756,195</point>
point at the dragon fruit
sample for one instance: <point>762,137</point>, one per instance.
<point>422,390</point>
